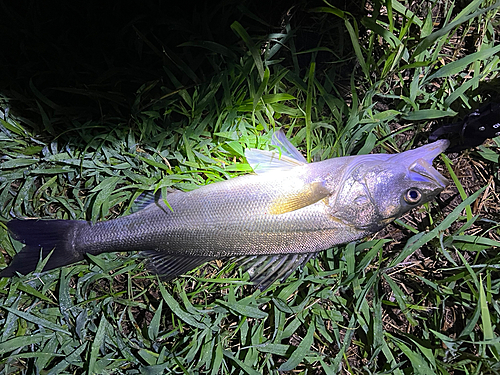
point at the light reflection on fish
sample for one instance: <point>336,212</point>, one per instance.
<point>276,219</point>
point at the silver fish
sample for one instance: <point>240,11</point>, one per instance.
<point>276,219</point>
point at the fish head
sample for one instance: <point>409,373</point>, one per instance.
<point>376,189</point>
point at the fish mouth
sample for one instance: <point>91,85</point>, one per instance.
<point>419,163</point>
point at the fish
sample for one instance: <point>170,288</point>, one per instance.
<point>272,221</point>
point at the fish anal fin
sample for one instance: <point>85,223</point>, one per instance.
<point>309,194</point>
<point>169,266</point>
<point>264,270</point>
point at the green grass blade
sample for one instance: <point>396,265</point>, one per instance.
<point>457,66</point>
<point>428,114</point>
<point>458,184</point>
<point>310,88</point>
<point>154,326</point>
<point>254,50</point>
<point>37,320</point>
<point>299,354</point>
<point>432,38</point>
<point>96,345</point>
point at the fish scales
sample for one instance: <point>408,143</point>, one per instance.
<point>274,220</point>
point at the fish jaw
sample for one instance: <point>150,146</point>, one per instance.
<point>419,163</point>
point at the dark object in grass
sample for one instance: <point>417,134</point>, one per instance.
<point>473,130</point>
<point>274,221</point>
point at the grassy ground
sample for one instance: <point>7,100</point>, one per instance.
<point>419,297</point>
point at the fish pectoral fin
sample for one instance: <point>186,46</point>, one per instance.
<point>266,269</point>
<point>169,266</point>
<point>309,194</point>
<point>263,161</point>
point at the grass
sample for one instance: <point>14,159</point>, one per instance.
<point>419,297</point>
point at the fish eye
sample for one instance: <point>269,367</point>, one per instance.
<point>413,196</point>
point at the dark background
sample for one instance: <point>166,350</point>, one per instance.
<point>87,59</point>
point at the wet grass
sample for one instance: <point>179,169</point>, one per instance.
<point>419,297</point>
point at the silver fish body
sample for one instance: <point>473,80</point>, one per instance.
<point>286,213</point>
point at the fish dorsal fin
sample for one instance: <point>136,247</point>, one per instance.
<point>280,140</point>
<point>263,161</point>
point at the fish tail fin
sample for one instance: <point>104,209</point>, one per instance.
<point>41,237</point>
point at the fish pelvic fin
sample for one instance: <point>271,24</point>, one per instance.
<point>169,266</point>
<point>43,238</point>
<point>264,270</point>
